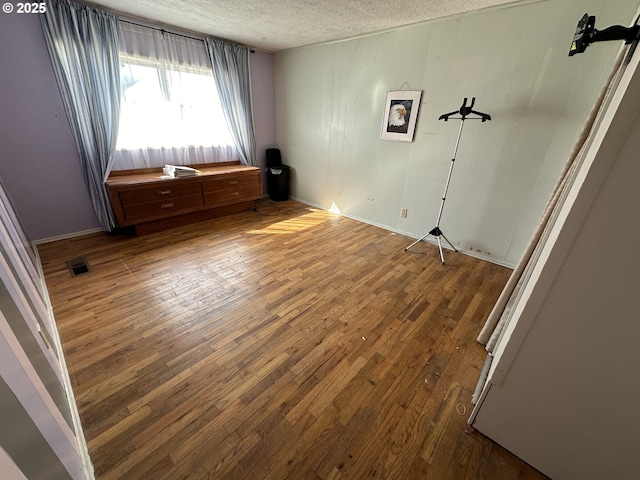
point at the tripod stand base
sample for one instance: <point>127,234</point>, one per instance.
<point>436,232</point>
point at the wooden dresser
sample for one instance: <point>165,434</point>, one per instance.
<point>150,201</point>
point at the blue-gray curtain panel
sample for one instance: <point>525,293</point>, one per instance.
<point>83,45</point>
<point>230,64</point>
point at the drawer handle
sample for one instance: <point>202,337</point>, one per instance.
<point>164,192</point>
<point>167,205</point>
<point>234,194</point>
<point>232,182</point>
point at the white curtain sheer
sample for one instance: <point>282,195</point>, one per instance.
<point>170,108</point>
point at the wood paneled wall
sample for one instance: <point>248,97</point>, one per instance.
<point>514,60</point>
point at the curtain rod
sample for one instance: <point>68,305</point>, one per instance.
<point>133,20</point>
<point>192,37</point>
<point>160,29</point>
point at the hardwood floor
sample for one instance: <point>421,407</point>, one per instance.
<point>285,344</point>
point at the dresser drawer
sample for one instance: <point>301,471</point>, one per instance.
<point>159,193</point>
<point>229,183</point>
<point>166,207</point>
<point>250,192</point>
<point>150,202</point>
<point>229,189</point>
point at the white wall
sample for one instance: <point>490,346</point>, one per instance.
<point>563,391</point>
<point>330,99</point>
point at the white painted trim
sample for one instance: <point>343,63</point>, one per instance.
<point>34,397</point>
<point>8,468</point>
<point>66,236</point>
<point>29,316</point>
<point>17,238</point>
<point>13,220</point>
<point>25,278</point>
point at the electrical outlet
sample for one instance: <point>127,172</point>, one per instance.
<point>403,213</point>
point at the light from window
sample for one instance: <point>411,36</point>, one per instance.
<point>163,108</point>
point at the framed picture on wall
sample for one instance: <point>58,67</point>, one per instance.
<point>400,115</point>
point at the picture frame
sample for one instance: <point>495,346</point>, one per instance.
<point>400,115</point>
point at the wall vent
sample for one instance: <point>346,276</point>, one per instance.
<point>78,266</point>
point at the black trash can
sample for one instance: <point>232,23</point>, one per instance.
<point>277,176</point>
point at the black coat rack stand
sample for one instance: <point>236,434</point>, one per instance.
<point>464,113</point>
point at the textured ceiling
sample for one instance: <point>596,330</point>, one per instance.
<point>274,25</point>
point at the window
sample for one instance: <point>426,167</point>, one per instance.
<point>170,112</point>
<point>169,108</point>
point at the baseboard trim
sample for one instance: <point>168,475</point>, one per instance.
<point>471,253</point>
<point>66,236</point>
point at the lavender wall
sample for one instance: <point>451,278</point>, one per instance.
<point>38,159</point>
<point>264,108</point>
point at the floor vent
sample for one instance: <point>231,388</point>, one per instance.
<point>78,266</point>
